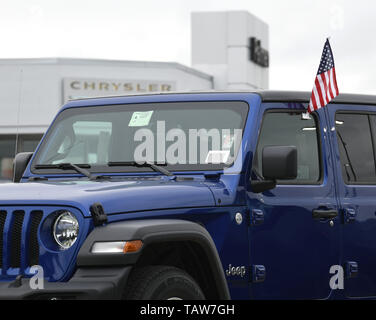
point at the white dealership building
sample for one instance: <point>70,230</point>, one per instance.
<point>229,51</point>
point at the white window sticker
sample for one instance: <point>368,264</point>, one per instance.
<point>306,116</point>
<point>217,156</point>
<point>140,118</point>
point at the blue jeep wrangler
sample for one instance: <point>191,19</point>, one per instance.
<point>195,196</point>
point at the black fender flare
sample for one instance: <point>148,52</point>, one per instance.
<point>151,231</point>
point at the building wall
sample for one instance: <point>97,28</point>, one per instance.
<point>221,47</point>
<point>32,91</point>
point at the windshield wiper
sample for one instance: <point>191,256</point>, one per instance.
<point>348,164</point>
<point>151,165</point>
<point>68,166</point>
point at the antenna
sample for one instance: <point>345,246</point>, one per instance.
<point>18,110</point>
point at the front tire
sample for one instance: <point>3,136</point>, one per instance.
<point>162,283</point>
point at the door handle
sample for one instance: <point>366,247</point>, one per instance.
<point>324,213</point>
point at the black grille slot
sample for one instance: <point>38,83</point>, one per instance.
<point>3,216</point>
<point>36,217</point>
<point>16,237</point>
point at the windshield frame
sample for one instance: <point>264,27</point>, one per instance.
<point>105,169</point>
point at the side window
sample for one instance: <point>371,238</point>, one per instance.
<point>280,128</point>
<point>354,138</point>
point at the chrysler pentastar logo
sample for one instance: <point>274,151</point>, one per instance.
<point>235,271</point>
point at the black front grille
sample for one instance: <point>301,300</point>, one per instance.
<point>16,235</point>
<point>36,217</point>
<point>19,246</point>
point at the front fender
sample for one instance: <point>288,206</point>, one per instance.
<point>151,231</point>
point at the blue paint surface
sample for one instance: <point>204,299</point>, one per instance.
<point>296,250</point>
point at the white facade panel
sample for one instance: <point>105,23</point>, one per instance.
<point>32,91</point>
<point>237,67</point>
<point>226,36</point>
<point>237,28</point>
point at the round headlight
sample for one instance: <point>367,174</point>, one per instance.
<point>65,230</point>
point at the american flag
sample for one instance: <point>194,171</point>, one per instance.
<point>325,87</point>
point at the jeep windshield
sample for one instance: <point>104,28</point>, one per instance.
<point>179,136</point>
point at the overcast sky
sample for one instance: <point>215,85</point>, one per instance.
<point>159,30</point>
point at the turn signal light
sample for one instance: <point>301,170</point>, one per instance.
<point>117,246</point>
<point>132,246</point>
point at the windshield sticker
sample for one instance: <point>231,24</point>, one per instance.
<point>140,118</point>
<point>217,156</point>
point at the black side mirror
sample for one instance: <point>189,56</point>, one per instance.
<point>19,165</point>
<point>278,163</point>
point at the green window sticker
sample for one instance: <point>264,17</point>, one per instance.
<point>140,118</point>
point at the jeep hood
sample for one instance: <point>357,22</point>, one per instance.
<point>116,196</point>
